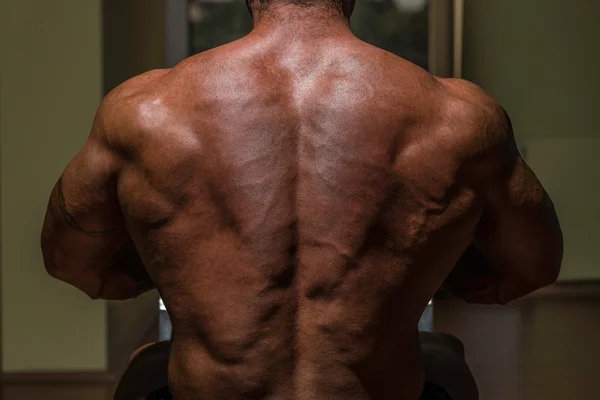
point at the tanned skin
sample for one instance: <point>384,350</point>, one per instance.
<point>297,197</point>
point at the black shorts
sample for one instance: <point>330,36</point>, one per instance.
<point>431,392</point>
<point>434,392</point>
<point>162,394</point>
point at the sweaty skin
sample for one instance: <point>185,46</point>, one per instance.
<point>297,197</point>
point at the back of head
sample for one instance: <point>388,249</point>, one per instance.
<point>342,6</point>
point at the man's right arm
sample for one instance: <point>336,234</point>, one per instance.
<point>518,244</point>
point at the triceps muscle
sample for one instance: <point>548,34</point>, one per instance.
<point>70,219</point>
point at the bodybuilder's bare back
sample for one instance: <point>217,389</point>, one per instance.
<point>297,204</point>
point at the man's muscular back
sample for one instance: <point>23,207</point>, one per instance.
<point>297,205</point>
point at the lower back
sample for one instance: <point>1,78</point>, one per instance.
<point>236,335</point>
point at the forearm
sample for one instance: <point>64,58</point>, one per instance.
<point>476,280</point>
<point>121,277</point>
<point>473,272</point>
<point>519,232</point>
<point>126,277</point>
<point>90,248</point>
<point>119,286</point>
<point>103,266</point>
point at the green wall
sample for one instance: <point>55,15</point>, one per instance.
<point>134,39</point>
<point>541,60</point>
<point>51,87</point>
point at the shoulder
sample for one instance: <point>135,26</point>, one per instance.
<point>136,85</point>
<point>483,122</point>
<point>482,132</point>
<point>131,94</point>
<point>467,100</point>
<point>467,91</point>
<point>128,107</point>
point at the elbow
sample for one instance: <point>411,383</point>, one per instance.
<point>50,263</point>
<point>550,265</point>
<point>55,270</point>
<point>547,277</point>
<point>60,273</point>
<point>552,272</point>
<point>48,255</point>
<point>552,256</point>
<point>55,263</point>
<point>555,259</point>
<point>92,295</point>
<point>57,267</point>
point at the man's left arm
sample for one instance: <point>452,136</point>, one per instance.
<point>84,239</point>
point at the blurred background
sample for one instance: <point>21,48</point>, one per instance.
<point>539,58</point>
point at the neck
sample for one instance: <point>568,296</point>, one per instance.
<point>298,20</point>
